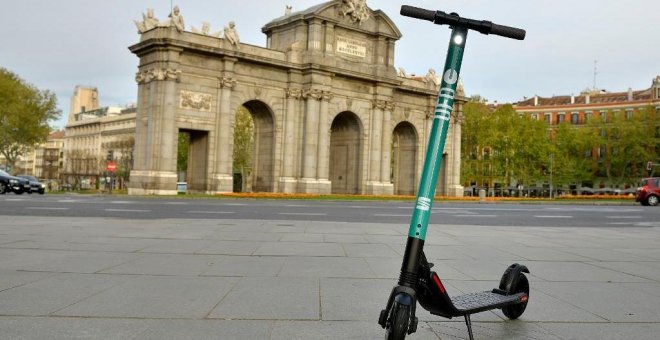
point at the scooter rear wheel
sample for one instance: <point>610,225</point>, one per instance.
<point>521,285</point>
<point>397,326</point>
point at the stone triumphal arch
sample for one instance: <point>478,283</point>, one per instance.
<point>331,113</point>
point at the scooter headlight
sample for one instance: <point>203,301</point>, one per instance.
<point>13,181</point>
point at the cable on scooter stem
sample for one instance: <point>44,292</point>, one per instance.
<point>482,26</point>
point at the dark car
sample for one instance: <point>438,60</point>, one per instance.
<point>35,185</point>
<point>648,192</point>
<point>16,185</point>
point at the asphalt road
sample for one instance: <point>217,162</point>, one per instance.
<point>127,207</point>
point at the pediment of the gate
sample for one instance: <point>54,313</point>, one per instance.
<point>343,28</point>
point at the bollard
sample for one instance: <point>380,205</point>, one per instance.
<point>482,195</point>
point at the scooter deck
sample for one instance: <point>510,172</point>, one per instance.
<point>478,302</point>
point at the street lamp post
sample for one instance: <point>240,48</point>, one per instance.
<point>552,157</point>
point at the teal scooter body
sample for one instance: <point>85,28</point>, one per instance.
<point>416,281</point>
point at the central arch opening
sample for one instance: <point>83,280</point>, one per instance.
<point>254,141</point>
<point>345,148</point>
<point>404,158</point>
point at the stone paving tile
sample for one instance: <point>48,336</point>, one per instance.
<point>645,270</point>
<point>230,248</point>
<point>177,246</point>
<point>519,329</point>
<point>277,298</point>
<point>166,264</point>
<point>578,272</point>
<point>613,303</point>
<point>338,238</point>
<point>300,249</point>
<point>326,267</point>
<point>11,278</point>
<point>303,237</point>
<point>53,293</point>
<point>82,262</point>
<point>340,330</point>
<point>369,250</point>
<point>155,297</point>
<point>51,328</point>
<point>253,266</point>
<point>207,329</point>
<point>607,331</point>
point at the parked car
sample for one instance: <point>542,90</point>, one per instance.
<point>35,185</point>
<point>14,184</point>
<point>648,192</point>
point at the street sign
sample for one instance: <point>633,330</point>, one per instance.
<point>111,167</point>
<point>649,166</point>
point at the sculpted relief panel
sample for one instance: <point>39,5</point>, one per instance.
<point>195,101</point>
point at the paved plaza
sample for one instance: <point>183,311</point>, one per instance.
<point>100,278</point>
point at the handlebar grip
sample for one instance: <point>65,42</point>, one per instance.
<point>509,32</point>
<point>418,13</point>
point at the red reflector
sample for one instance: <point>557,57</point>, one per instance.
<point>436,279</point>
<point>524,298</point>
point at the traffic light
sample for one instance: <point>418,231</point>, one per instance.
<point>111,155</point>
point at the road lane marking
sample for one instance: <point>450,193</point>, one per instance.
<point>46,208</point>
<point>304,214</point>
<point>552,216</point>
<point>474,215</point>
<point>176,203</point>
<point>624,217</point>
<point>392,215</point>
<point>127,210</point>
<point>211,212</point>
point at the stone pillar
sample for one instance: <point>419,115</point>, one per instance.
<point>309,182</point>
<point>156,173</point>
<point>288,182</point>
<point>454,183</point>
<point>223,179</point>
<point>323,168</point>
<point>386,149</point>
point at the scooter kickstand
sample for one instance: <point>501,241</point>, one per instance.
<point>468,322</point>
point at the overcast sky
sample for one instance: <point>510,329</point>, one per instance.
<point>57,45</point>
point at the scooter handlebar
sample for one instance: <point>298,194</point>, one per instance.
<point>453,19</point>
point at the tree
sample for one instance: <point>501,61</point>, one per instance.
<point>243,140</point>
<point>25,112</point>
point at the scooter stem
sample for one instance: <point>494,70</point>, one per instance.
<point>433,161</point>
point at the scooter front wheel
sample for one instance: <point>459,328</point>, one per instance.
<point>521,286</point>
<point>397,325</point>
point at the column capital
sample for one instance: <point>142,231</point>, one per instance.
<point>312,94</point>
<point>227,82</point>
<point>157,74</point>
<point>293,93</point>
<point>384,105</point>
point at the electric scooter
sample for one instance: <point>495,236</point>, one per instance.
<point>417,282</point>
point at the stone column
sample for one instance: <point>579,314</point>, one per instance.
<point>376,142</point>
<point>323,168</point>
<point>155,172</point>
<point>223,178</point>
<point>309,182</point>
<point>288,183</point>
<point>386,149</point>
<point>454,185</point>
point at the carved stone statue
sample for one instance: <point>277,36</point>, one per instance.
<point>231,35</point>
<point>176,19</point>
<point>402,72</point>
<point>148,22</point>
<point>206,30</point>
<point>432,77</point>
<point>288,9</point>
<point>357,10</point>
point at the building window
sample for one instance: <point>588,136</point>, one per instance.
<point>588,115</point>
<point>535,116</point>
<point>629,114</point>
<point>575,118</point>
<point>560,118</point>
<point>603,116</point>
<point>547,117</point>
<point>616,114</point>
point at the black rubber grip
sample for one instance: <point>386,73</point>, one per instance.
<point>509,32</point>
<point>419,13</point>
